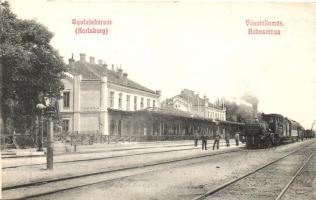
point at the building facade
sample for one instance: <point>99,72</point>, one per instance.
<point>95,97</point>
<point>188,101</point>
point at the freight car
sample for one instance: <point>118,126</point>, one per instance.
<point>271,130</point>
<point>308,134</point>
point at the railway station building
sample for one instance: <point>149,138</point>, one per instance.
<point>96,99</point>
<point>101,100</point>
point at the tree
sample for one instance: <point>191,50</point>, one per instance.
<point>29,66</point>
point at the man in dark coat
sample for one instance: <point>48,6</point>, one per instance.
<point>237,138</point>
<point>227,138</point>
<point>204,140</point>
<point>216,140</point>
<point>196,138</point>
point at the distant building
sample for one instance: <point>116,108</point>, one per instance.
<point>188,101</point>
<point>96,98</point>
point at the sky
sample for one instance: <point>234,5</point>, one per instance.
<point>201,46</point>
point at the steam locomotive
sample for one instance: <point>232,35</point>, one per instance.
<point>271,130</point>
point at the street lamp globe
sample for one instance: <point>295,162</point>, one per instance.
<point>40,106</point>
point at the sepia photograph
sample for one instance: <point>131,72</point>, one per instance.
<point>157,100</point>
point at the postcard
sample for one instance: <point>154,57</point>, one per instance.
<point>154,100</point>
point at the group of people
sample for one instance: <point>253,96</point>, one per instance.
<point>217,138</point>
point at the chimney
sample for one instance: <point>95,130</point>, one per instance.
<point>105,66</point>
<point>92,59</point>
<point>100,62</point>
<point>125,78</point>
<point>206,101</point>
<point>83,57</point>
<point>158,92</point>
<point>71,60</point>
<point>112,67</point>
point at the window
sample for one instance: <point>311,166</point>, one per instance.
<point>120,101</point>
<point>154,103</point>
<point>66,99</point>
<point>142,103</point>
<point>65,125</point>
<point>148,103</point>
<point>111,99</point>
<point>127,102</point>
<point>135,102</point>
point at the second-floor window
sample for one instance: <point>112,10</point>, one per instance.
<point>135,102</point>
<point>142,103</point>
<point>111,99</point>
<point>154,103</point>
<point>127,102</point>
<point>148,103</point>
<point>66,96</point>
<point>120,101</point>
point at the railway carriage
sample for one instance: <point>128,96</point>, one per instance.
<point>308,134</point>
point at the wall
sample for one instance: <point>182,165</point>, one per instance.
<point>89,122</point>
<point>89,96</point>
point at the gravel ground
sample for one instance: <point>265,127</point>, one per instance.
<point>267,183</point>
<point>180,182</point>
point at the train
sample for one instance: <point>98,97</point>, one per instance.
<point>269,130</point>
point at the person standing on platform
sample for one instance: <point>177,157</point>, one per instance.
<point>237,138</point>
<point>216,140</point>
<point>196,138</point>
<point>204,140</point>
<point>227,138</point>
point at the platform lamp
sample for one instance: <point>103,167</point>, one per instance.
<point>47,108</point>
<point>41,108</point>
<point>50,111</point>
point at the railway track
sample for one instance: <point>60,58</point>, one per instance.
<point>244,187</point>
<point>298,172</point>
<point>110,157</point>
<point>101,151</point>
<point>100,158</point>
<point>56,185</point>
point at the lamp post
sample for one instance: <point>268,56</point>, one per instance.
<point>41,108</point>
<point>50,110</point>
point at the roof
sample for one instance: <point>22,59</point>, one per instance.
<point>90,71</point>
<point>233,123</point>
<point>274,115</point>
<point>174,112</point>
<point>171,111</point>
